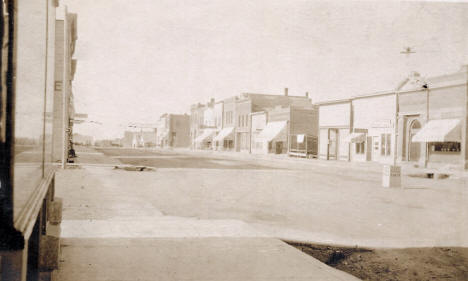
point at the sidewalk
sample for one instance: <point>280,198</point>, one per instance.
<point>112,231</point>
<point>179,259</point>
<point>372,167</point>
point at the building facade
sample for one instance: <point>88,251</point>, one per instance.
<point>196,122</point>
<point>432,120</point>
<point>248,103</point>
<point>142,137</point>
<point>63,105</point>
<point>334,126</point>
<point>224,139</point>
<point>173,130</point>
<point>258,124</point>
<point>30,214</point>
<point>280,130</point>
<point>422,122</point>
<point>203,125</point>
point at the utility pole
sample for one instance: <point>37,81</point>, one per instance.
<point>392,173</point>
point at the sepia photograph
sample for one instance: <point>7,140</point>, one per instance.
<point>233,140</point>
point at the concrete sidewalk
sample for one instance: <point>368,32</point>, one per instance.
<point>111,232</point>
<point>177,259</point>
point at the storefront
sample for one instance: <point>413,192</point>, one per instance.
<point>431,123</point>
<point>205,140</point>
<point>302,145</point>
<point>273,139</point>
<point>443,139</point>
<point>334,124</point>
<point>258,124</point>
<point>224,140</point>
<point>359,147</point>
<point>373,133</point>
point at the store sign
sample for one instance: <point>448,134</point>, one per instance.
<point>300,138</point>
<point>383,124</point>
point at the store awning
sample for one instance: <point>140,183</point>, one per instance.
<point>207,134</point>
<point>442,130</point>
<point>272,130</point>
<point>226,132</point>
<point>355,138</point>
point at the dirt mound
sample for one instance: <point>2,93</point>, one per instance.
<point>410,264</point>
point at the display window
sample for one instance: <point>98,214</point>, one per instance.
<point>360,148</point>
<point>453,147</point>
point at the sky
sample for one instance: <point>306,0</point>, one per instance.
<point>140,59</point>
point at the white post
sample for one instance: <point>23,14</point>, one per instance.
<point>392,173</point>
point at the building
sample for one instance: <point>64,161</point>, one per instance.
<point>63,105</point>
<point>224,139</point>
<point>196,122</point>
<point>290,129</point>
<point>248,103</point>
<point>334,126</point>
<point>422,121</point>
<point>372,135</point>
<point>432,114</point>
<point>30,214</point>
<point>203,125</point>
<point>218,140</point>
<point>79,139</point>
<point>127,140</point>
<point>173,130</point>
<point>258,121</point>
<point>140,137</point>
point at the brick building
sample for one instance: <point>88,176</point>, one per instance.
<point>173,130</point>
<point>290,129</point>
<point>248,103</point>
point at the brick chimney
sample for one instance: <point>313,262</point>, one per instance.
<point>286,91</point>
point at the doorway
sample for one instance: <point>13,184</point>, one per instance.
<point>332,144</point>
<point>375,148</point>
<point>279,147</point>
<point>414,148</point>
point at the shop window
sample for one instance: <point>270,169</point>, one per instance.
<point>388,144</point>
<point>376,144</point>
<point>360,148</point>
<point>385,144</point>
<point>446,147</point>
